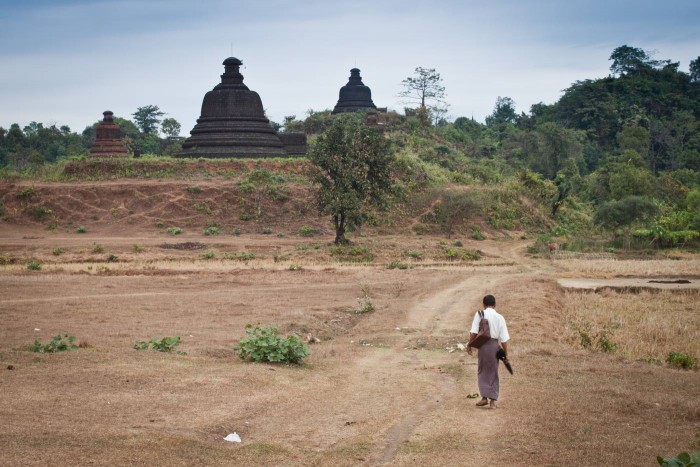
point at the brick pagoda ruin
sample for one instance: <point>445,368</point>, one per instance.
<point>354,95</point>
<point>107,138</point>
<point>233,123</point>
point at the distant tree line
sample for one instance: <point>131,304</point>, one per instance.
<point>35,144</point>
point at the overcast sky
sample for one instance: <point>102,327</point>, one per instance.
<point>67,61</point>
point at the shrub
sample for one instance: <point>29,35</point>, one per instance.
<point>208,255</point>
<point>27,192</point>
<point>112,258</point>
<point>34,266</point>
<point>236,231</point>
<point>166,344</point>
<point>266,230</point>
<point>137,248</point>
<point>477,234</point>
<point>295,267</point>
<point>681,360</point>
<point>212,230</point>
<point>398,265</point>
<point>39,212</point>
<point>174,230</point>
<point>97,248</point>
<point>58,251</point>
<point>59,343</point>
<point>194,190</point>
<point>306,231</point>
<point>246,256</point>
<point>81,229</point>
<point>681,460</point>
<point>415,254</point>
<point>264,344</point>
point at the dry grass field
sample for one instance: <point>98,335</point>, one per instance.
<point>381,388</point>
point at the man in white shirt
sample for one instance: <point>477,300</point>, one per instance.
<point>487,373</point>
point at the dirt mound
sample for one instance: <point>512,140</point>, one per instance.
<point>148,204</point>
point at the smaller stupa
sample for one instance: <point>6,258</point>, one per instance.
<point>354,95</point>
<point>107,138</point>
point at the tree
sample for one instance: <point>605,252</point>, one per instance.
<point>352,166</point>
<point>424,87</point>
<point>630,60</point>
<point>503,112</point>
<point>695,70</point>
<point>147,118</point>
<point>170,128</point>
<point>623,214</point>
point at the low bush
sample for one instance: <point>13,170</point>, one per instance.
<point>306,231</point>
<point>681,460</point>
<point>681,360</point>
<point>34,266</point>
<point>58,251</point>
<point>174,230</point>
<point>81,229</point>
<point>166,344</point>
<point>212,230</point>
<point>264,344</point>
<point>398,265</point>
<point>59,343</point>
<point>97,248</point>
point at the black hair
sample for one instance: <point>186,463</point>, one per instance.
<point>489,300</point>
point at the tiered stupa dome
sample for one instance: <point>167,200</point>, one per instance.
<point>107,138</point>
<point>354,95</point>
<point>232,122</point>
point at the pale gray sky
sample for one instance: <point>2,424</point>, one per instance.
<point>66,61</point>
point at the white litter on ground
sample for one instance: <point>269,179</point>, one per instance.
<point>233,438</point>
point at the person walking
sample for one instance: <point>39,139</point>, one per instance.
<point>487,372</point>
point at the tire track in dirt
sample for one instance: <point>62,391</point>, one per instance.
<point>442,310</point>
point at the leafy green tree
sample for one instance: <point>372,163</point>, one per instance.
<point>629,60</point>
<point>424,88</point>
<point>147,118</point>
<point>352,166</point>
<point>170,128</point>
<point>695,70</point>
<point>623,214</point>
<point>503,112</point>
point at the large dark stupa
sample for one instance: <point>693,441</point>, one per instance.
<point>108,141</point>
<point>232,122</point>
<point>354,95</point>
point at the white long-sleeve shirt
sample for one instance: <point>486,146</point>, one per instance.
<point>497,324</point>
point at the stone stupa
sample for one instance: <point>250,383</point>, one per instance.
<point>232,122</point>
<point>107,138</point>
<point>354,95</point>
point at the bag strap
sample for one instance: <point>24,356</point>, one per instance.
<point>481,313</point>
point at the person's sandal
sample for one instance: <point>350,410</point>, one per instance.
<point>482,403</point>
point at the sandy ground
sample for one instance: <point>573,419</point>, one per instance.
<point>382,388</point>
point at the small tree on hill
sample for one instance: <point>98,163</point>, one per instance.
<point>623,214</point>
<point>352,166</point>
<point>147,118</point>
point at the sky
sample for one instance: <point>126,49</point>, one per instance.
<point>65,62</point>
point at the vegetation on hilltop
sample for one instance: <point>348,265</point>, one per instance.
<point>629,139</point>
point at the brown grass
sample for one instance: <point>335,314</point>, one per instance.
<point>642,326</point>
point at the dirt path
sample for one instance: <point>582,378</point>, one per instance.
<point>443,311</point>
